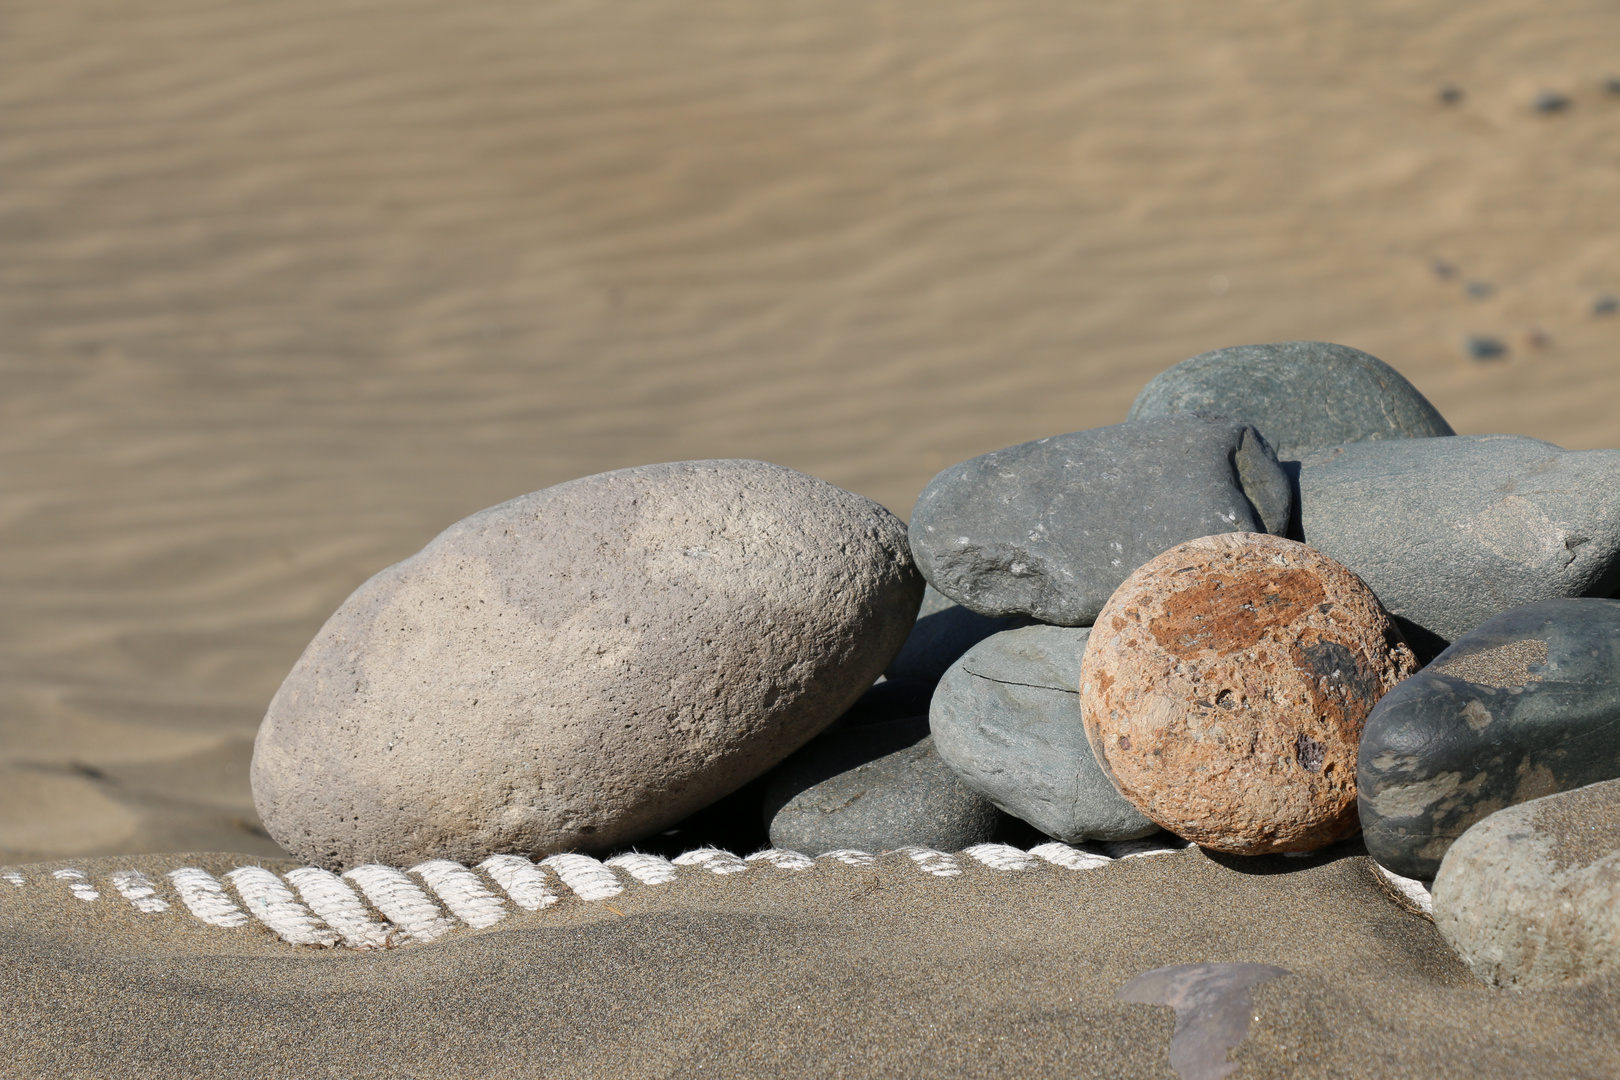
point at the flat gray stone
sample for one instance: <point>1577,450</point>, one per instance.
<point>1051,528</point>
<point>583,666</point>
<point>1530,896</point>
<point>1006,718</point>
<point>874,788</point>
<point>943,632</point>
<point>1302,395</point>
<point>1451,531</point>
<point>1526,705</point>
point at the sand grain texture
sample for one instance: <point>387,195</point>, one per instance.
<point>287,289</point>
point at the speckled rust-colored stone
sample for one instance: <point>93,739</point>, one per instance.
<point>1225,685</point>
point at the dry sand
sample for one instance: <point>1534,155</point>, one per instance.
<point>287,288</point>
<point>834,972</point>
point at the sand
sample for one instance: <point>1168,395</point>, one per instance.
<point>831,972</point>
<point>286,289</point>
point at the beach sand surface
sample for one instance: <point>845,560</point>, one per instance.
<point>286,289</point>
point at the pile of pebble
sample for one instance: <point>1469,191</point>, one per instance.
<point>1281,602</point>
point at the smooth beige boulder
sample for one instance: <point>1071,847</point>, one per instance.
<point>1225,686</point>
<point>1530,896</point>
<point>584,665</point>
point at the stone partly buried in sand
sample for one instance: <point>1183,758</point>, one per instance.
<point>1300,394</point>
<point>1006,717</point>
<point>1224,689</point>
<point>1526,705</point>
<point>1050,528</point>
<point>583,666</point>
<point>1451,531</point>
<point>1530,896</point>
<point>875,787</point>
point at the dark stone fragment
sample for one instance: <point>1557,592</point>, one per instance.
<point>943,632</point>
<point>1300,394</point>
<point>1551,101</point>
<point>1526,705</point>
<point>1051,528</point>
<point>1486,348</point>
<point>874,788</point>
<point>1606,305</point>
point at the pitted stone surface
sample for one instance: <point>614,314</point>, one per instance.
<point>1530,896</point>
<point>1525,705</point>
<point>1451,531</point>
<point>583,666</point>
<point>1225,686</point>
<point>1302,395</point>
<point>1050,528</point>
<point>1006,718</point>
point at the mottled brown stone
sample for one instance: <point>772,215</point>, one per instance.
<point>1225,686</point>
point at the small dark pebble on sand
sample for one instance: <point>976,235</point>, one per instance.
<point>1551,101</point>
<point>1450,94</point>
<point>1486,348</point>
<point>1606,305</point>
<point>1612,85</point>
<point>1444,270</point>
<point>1479,290</point>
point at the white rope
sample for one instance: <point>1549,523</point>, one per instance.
<point>647,869</point>
<point>1136,849</point>
<point>713,860</point>
<point>77,884</point>
<point>850,857</point>
<point>340,907</point>
<point>205,897</point>
<point>523,881</point>
<point>272,903</point>
<point>15,878</point>
<point>1002,857</point>
<point>1411,888</point>
<point>399,898</point>
<point>589,879</point>
<point>929,861</point>
<point>462,892</point>
<point>783,860</point>
<point>133,886</point>
<point>1070,858</point>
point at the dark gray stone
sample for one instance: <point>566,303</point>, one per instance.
<point>943,632</point>
<point>1530,896</point>
<point>1526,705</point>
<point>1300,394</point>
<point>1006,718</point>
<point>1051,528</point>
<point>874,788</point>
<point>1451,531</point>
<point>888,699</point>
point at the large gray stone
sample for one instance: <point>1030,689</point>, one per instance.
<point>1050,528</point>
<point>1450,531</point>
<point>943,632</point>
<point>874,788</point>
<point>1006,718</point>
<point>1530,896</point>
<point>1300,394</point>
<point>583,666</point>
<point>1525,705</point>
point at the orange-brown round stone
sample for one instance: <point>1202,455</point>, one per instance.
<point>1225,685</point>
